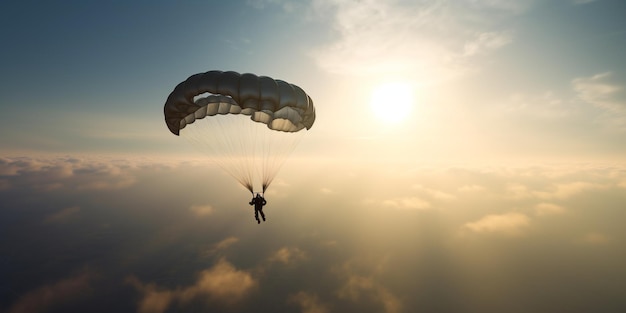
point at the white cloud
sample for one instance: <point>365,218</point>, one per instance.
<point>485,42</point>
<point>546,106</point>
<point>599,91</point>
<point>509,223</point>
<point>597,99</point>
<point>430,40</point>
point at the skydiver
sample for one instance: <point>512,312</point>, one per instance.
<point>258,202</point>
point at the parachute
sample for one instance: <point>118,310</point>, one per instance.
<point>247,124</point>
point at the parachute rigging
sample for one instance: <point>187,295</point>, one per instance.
<point>247,124</point>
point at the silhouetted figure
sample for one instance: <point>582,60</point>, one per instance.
<point>258,202</point>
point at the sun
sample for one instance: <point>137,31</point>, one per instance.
<point>392,102</point>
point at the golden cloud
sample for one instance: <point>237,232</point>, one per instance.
<point>308,302</point>
<point>509,223</point>
<point>221,283</point>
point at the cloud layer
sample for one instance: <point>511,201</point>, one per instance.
<point>429,233</point>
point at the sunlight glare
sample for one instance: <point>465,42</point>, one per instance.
<point>392,102</point>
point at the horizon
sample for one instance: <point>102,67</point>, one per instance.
<point>466,156</point>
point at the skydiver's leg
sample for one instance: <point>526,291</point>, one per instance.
<point>256,216</point>
<point>262,215</point>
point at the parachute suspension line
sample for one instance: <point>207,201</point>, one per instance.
<point>212,136</point>
<point>265,168</point>
<point>288,143</point>
<point>254,133</point>
<point>243,149</point>
<point>231,149</point>
<point>247,150</point>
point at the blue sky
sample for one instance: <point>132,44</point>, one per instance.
<point>86,77</point>
<point>498,188</point>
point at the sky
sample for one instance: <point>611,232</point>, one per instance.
<point>467,156</point>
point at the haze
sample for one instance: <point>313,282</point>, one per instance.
<point>499,185</point>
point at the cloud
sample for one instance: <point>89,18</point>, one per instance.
<point>471,188</point>
<point>599,91</point>
<point>508,6</point>
<point>578,2</point>
<point>280,189</point>
<point>543,209</point>
<point>369,285</point>
<point>485,42</point>
<point>202,210</point>
<point>288,255</point>
<point>594,238</point>
<point>15,166</point>
<point>221,246</point>
<point>327,191</point>
<point>561,191</point>
<point>63,215</point>
<point>354,286</point>
<point>597,101</point>
<point>154,300</point>
<point>55,173</point>
<point>509,223</point>
<point>226,243</point>
<point>48,296</point>
<point>434,40</point>
<point>308,302</point>
<point>566,190</point>
<point>407,203</point>
<point>221,283</point>
<point>518,191</point>
<point>360,285</point>
<point>433,193</point>
<point>287,5</point>
<point>547,106</point>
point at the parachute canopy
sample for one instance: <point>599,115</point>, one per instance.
<point>250,123</point>
<point>276,103</point>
